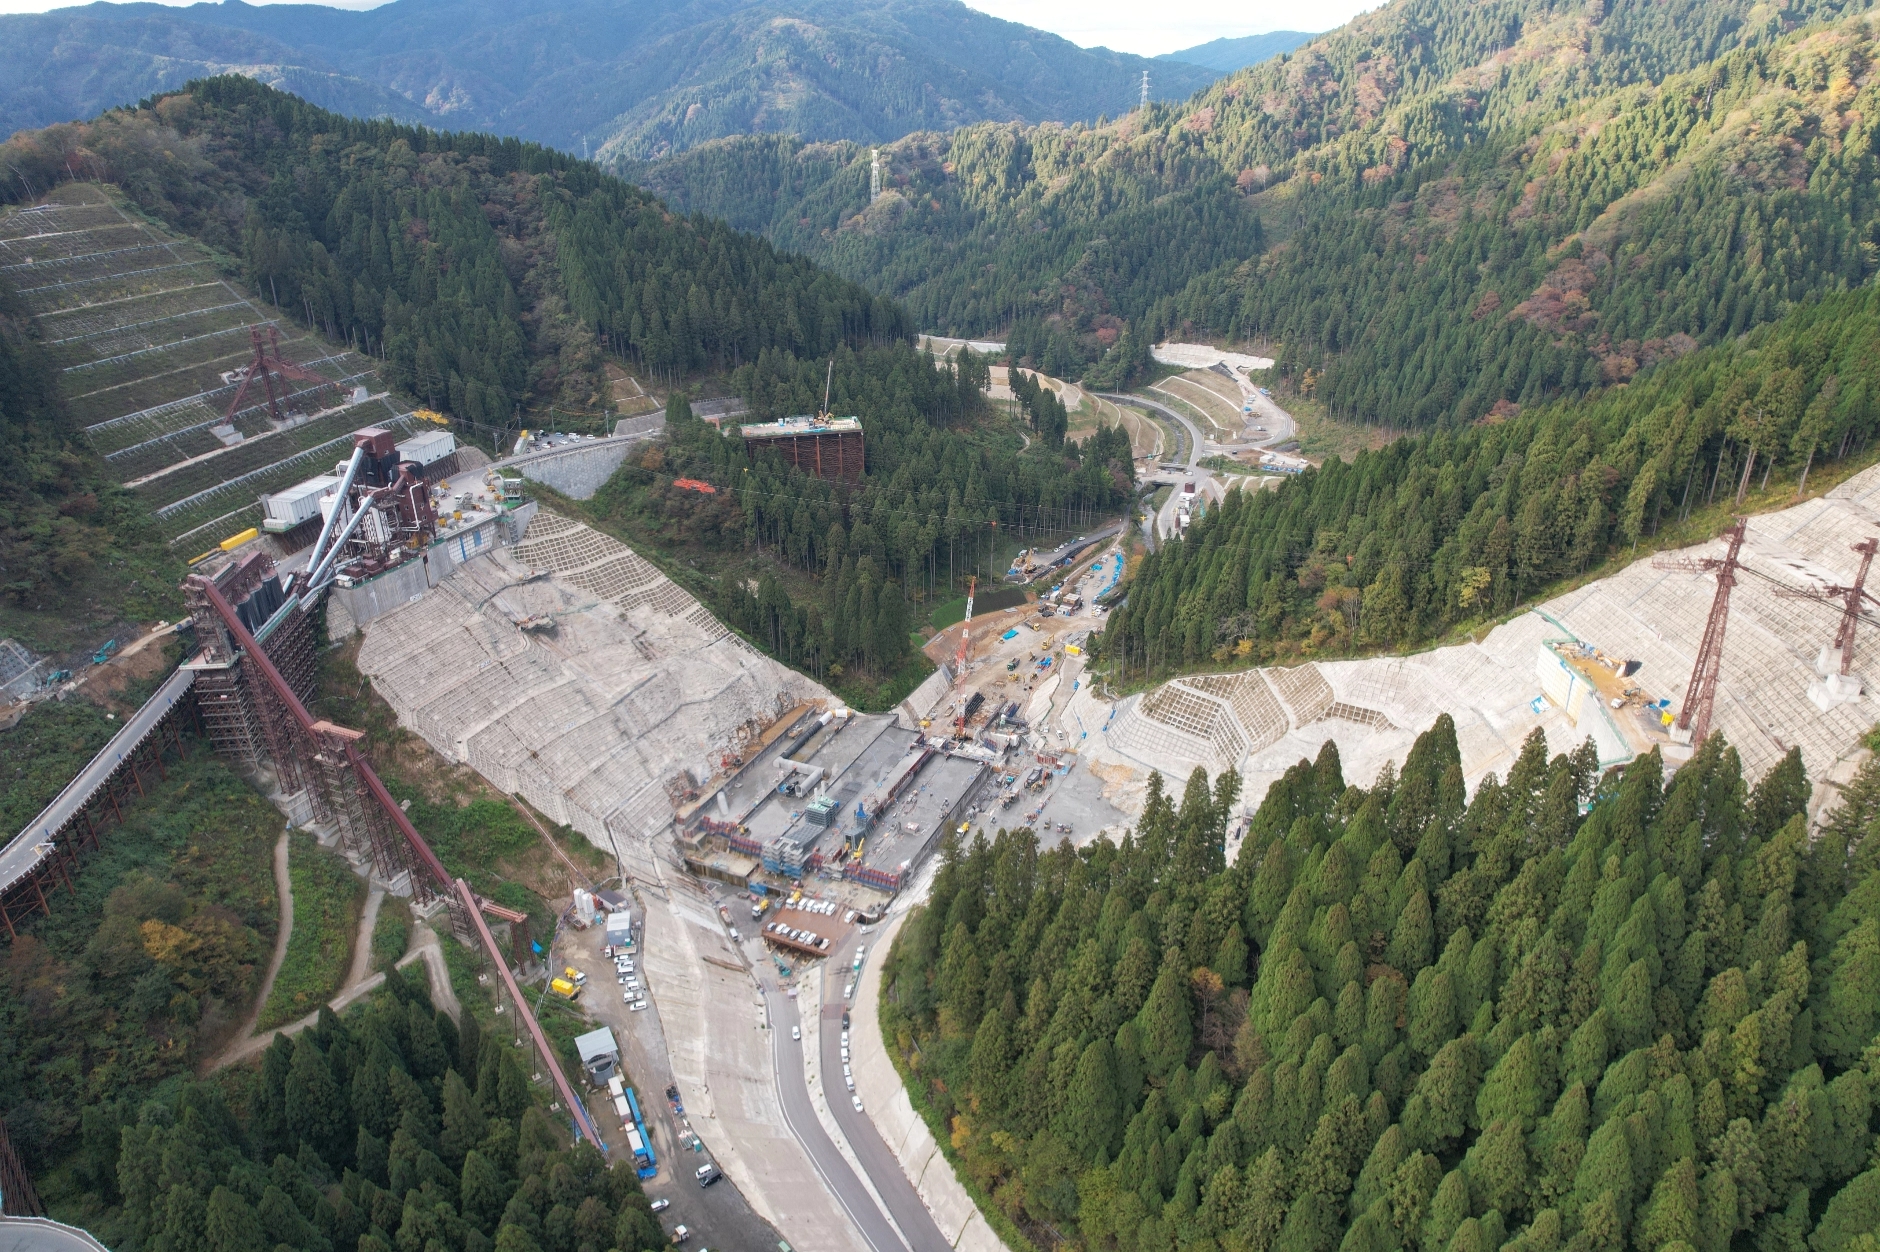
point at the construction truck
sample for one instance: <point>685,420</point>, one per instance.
<point>563,988</point>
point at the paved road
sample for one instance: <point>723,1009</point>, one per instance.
<point>1189,432</point>
<point>1045,559</point>
<point>909,1210</point>
<point>800,1113</point>
<point>718,1216</point>
<point>1190,456</point>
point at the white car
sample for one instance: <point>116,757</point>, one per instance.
<point>849,1081</point>
<point>633,984</point>
<point>796,1032</point>
<point>660,1205</point>
<point>636,1006</point>
<point>857,1102</point>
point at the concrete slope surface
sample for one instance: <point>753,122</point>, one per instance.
<point>1771,693</point>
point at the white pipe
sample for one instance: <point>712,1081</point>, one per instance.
<point>345,486</point>
<point>315,580</point>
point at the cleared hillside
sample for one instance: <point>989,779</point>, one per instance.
<point>144,331</point>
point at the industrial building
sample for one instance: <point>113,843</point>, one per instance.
<point>827,447</point>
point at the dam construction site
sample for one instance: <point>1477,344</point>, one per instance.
<point>1612,661</point>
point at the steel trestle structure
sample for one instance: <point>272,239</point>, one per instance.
<point>340,783</point>
<point>44,856</point>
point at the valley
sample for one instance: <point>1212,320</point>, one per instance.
<point>627,627</point>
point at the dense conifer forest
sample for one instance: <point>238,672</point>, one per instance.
<point>1435,209</point>
<point>388,1128</point>
<point>947,493</point>
<point>1569,1013</point>
<point>487,273</point>
<point>1403,544</point>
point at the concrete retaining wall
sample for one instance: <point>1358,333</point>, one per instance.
<point>352,607</point>
<point>579,470</point>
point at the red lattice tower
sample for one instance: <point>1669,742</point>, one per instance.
<point>266,364</point>
<point>1848,597</point>
<point>1701,697</point>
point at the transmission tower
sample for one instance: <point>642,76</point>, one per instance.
<point>874,176</point>
<point>1701,697</point>
<point>1849,597</point>
<point>1145,89</point>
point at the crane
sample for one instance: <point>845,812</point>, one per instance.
<point>1701,697</point>
<point>1849,597</point>
<point>267,363</point>
<point>959,660</point>
<point>966,630</point>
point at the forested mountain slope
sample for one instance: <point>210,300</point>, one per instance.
<point>1228,55</point>
<point>488,275</point>
<point>1447,528</point>
<point>1412,162</point>
<point>484,271</point>
<point>76,63</point>
<point>75,553</point>
<point>1403,1019</point>
<point>642,78</point>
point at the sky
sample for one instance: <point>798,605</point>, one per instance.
<point>1152,29</point>
<point>1125,25</point>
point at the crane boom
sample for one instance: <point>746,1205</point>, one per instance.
<point>966,630</point>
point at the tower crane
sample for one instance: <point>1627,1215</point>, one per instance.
<point>959,659</point>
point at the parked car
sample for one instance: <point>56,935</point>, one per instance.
<point>796,1032</point>
<point>857,1102</point>
<point>660,1205</point>
<point>637,1006</point>
<point>707,1174</point>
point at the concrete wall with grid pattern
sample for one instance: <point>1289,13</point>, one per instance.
<point>598,721</point>
<point>1264,721</point>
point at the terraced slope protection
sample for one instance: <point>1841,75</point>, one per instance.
<point>601,722</point>
<point>149,339</point>
<point>1258,722</point>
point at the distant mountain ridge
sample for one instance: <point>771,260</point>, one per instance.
<point>631,78</point>
<point>1228,55</point>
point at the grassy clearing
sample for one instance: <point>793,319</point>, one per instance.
<point>391,934</point>
<point>327,900</point>
<point>1322,436</point>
